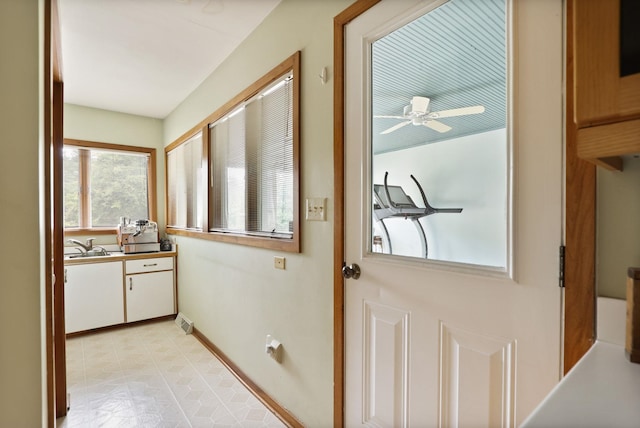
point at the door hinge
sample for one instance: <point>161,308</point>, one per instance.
<point>561,267</point>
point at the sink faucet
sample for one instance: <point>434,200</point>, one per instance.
<point>87,247</point>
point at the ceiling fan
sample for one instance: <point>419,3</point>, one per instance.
<point>418,113</point>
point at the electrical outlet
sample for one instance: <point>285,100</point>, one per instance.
<point>273,348</point>
<point>316,209</point>
<point>278,262</point>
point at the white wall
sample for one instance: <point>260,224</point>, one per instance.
<point>617,227</point>
<point>92,124</point>
<point>233,293</point>
<point>468,173</point>
<point>22,376</point>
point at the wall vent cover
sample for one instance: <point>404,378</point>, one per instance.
<point>184,323</point>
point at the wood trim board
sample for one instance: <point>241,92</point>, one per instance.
<point>49,297</point>
<point>339,24</point>
<point>58,250</point>
<point>580,230</point>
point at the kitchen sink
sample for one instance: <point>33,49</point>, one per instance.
<point>87,254</point>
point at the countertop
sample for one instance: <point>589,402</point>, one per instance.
<point>602,390</point>
<point>117,256</point>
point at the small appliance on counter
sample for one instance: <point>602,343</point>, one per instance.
<point>165,244</point>
<point>139,236</point>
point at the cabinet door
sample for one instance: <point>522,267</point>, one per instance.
<point>149,295</point>
<point>93,296</point>
<point>604,90</point>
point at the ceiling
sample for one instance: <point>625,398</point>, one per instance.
<point>454,55</point>
<point>146,56</point>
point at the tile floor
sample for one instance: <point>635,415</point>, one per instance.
<point>154,375</point>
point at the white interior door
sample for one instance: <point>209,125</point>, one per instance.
<point>456,340</point>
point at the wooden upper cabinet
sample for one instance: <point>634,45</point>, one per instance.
<point>606,43</point>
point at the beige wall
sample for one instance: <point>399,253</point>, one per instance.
<point>233,293</point>
<point>618,227</point>
<point>21,256</point>
<point>92,124</point>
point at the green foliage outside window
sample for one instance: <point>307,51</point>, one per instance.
<point>118,187</point>
<point>117,183</point>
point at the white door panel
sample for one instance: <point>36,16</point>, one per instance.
<point>432,343</point>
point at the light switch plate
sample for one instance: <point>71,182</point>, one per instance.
<point>316,209</point>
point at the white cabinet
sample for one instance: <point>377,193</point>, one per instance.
<point>150,290</point>
<point>93,296</point>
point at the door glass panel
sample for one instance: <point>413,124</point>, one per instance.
<point>439,148</point>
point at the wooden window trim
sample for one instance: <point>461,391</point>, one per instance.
<point>287,245</point>
<point>84,172</point>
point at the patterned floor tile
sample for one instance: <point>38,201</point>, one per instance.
<point>154,376</point>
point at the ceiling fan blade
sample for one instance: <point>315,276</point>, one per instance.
<point>457,112</point>
<point>437,126</point>
<point>398,126</point>
<point>389,117</point>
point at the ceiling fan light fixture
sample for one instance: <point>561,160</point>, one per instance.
<point>420,105</point>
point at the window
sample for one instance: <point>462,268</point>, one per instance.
<point>252,165</point>
<point>186,189</point>
<point>243,166</point>
<point>103,182</point>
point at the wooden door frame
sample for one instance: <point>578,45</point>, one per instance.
<point>580,227</point>
<point>339,24</point>
<point>56,384</point>
<point>580,190</point>
<point>48,59</point>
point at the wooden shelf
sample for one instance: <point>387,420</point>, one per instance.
<point>604,144</point>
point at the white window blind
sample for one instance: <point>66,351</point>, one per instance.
<point>252,165</point>
<point>185,184</point>
<point>276,161</point>
<point>229,172</point>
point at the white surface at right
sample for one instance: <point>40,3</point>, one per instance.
<point>602,390</point>
<point>612,320</point>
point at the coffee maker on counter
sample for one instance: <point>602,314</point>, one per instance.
<point>138,236</point>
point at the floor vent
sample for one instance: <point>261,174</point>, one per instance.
<point>184,323</point>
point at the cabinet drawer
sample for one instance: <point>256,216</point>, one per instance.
<point>149,265</point>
